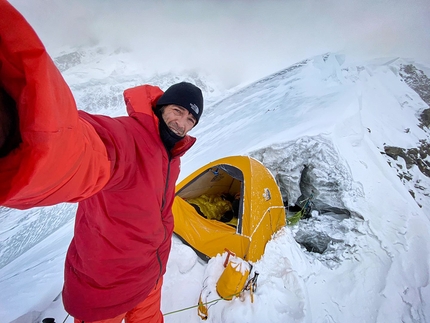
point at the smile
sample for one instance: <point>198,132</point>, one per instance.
<point>177,132</point>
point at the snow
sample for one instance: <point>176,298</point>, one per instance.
<point>320,126</point>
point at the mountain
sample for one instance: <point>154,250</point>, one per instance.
<point>353,136</point>
<point>385,101</point>
<point>98,76</point>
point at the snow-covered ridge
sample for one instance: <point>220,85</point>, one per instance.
<point>296,97</point>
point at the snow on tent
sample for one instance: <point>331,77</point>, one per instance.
<point>246,227</point>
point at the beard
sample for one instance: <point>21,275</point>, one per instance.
<point>167,135</point>
<point>176,130</point>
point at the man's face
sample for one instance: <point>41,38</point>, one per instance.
<point>178,119</point>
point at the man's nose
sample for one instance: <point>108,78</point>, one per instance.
<point>182,123</point>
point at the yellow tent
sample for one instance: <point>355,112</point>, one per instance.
<point>260,213</point>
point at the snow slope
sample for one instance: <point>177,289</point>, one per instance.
<point>322,126</point>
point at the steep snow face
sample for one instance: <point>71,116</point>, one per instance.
<point>282,107</point>
<point>322,98</point>
<point>98,77</point>
<point>322,127</point>
<point>21,230</point>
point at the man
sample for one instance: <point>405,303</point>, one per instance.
<point>122,171</point>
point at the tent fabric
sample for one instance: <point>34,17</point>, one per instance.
<point>261,211</point>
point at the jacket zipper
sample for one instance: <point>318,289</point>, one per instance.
<point>163,202</point>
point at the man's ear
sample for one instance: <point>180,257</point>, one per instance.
<point>10,137</point>
<point>160,110</point>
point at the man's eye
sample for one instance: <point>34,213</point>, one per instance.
<point>191,120</point>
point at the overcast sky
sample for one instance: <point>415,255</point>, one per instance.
<point>237,41</point>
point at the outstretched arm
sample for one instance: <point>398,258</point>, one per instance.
<point>50,155</point>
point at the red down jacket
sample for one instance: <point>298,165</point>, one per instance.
<point>116,168</point>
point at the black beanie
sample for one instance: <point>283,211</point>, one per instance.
<point>185,95</point>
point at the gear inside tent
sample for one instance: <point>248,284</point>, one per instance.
<point>232,203</point>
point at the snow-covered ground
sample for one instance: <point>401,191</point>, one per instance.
<point>321,126</point>
<point>353,133</point>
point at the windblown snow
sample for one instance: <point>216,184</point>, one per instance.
<point>353,135</point>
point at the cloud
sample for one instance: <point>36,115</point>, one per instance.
<point>240,40</point>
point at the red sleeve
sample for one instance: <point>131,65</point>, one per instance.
<point>61,157</point>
